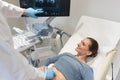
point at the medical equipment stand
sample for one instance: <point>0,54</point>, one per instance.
<point>59,31</point>
<point>112,70</point>
<point>46,23</point>
<point>112,64</point>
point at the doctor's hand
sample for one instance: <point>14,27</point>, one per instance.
<point>48,71</point>
<point>30,12</point>
<point>50,74</point>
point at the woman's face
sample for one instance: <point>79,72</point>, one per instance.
<point>83,47</point>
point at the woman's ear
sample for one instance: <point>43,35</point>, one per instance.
<point>89,53</point>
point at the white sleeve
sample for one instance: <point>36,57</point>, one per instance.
<point>10,10</point>
<point>14,65</point>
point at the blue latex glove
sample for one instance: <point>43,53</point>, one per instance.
<point>31,12</point>
<point>49,73</point>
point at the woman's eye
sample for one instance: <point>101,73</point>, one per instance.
<point>82,43</point>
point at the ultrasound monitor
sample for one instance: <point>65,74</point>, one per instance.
<point>50,7</point>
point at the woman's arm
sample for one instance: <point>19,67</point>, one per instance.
<point>50,60</point>
<point>53,59</point>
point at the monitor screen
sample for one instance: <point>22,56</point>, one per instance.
<point>50,7</point>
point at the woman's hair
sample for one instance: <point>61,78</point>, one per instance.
<point>93,47</point>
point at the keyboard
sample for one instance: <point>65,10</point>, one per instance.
<point>23,42</point>
<point>20,41</point>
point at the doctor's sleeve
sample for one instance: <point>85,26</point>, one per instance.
<point>10,10</point>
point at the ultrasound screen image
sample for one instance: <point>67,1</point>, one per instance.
<point>50,7</point>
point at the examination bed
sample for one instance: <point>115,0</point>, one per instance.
<point>106,32</point>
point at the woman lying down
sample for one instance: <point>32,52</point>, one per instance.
<point>72,67</point>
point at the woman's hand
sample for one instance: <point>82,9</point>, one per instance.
<point>42,67</point>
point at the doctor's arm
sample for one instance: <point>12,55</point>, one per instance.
<point>10,10</point>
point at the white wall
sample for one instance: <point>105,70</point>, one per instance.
<point>107,9</point>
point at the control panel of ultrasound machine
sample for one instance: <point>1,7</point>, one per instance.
<point>24,39</point>
<point>35,34</point>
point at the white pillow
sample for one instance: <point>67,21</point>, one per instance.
<point>71,44</point>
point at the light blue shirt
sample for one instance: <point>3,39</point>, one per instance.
<point>71,67</point>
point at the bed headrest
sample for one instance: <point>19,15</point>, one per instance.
<point>106,32</point>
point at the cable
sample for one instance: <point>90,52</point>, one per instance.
<point>61,32</point>
<point>112,70</point>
